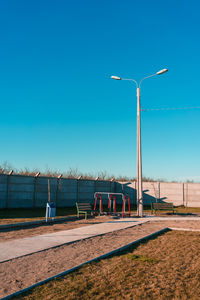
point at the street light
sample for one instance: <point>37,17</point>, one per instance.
<point>139,154</point>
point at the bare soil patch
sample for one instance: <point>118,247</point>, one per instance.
<point>167,267</point>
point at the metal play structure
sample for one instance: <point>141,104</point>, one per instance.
<point>111,203</point>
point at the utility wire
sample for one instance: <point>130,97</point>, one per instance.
<point>169,108</point>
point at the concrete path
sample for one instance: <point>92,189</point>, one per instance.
<point>17,248</point>
<point>179,218</point>
<point>20,247</point>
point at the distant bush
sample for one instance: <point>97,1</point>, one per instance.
<point>73,173</point>
<point>5,168</point>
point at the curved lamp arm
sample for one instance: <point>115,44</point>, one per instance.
<point>130,80</point>
<point>119,78</point>
<point>157,73</point>
<point>146,78</point>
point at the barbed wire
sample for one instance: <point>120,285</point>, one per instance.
<point>169,108</point>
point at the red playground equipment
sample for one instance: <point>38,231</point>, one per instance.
<point>98,195</point>
<point>111,197</point>
<point>126,199</point>
<point>112,203</point>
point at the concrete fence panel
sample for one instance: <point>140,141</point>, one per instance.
<point>86,190</point>
<point>27,191</point>
<point>3,190</point>
<point>127,188</point>
<point>19,191</point>
<point>151,192</point>
<point>172,192</point>
<point>67,192</point>
<point>103,186</point>
<point>192,194</point>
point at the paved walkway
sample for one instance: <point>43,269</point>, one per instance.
<point>20,247</point>
<point>179,218</point>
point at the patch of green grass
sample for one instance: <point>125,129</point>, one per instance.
<point>142,258</point>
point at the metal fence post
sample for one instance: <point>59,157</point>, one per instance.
<point>78,188</point>
<point>158,190</point>
<point>8,190</point>
<point>58,188</point>
<point>95,184</point>
<point>35,189</point>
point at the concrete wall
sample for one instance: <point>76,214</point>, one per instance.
<point>191,194</point>
<point>186,194</point>
<point>128,188</point>
<point>27,191</point>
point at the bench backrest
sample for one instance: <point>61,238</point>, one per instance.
<point>84,206</point>
<point>163,205</point>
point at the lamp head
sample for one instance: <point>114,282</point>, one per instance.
<point>115,77</point>
<point>162,71</point>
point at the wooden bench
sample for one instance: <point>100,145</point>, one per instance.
<point>162,206</point>
<point>84,208</point>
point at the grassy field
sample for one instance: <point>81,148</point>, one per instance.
<point>166,267</point>
<point>26,215</point>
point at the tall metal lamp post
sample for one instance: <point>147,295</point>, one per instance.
<point>139,154</point>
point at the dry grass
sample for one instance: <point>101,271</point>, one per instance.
<point>187,210</point>
<point>167,267</point>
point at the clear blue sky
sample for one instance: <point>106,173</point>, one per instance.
<point>60,109</point>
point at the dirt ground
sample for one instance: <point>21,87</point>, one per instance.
<point>22,272</point>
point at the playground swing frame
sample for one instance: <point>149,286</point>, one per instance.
<point>111,197</point>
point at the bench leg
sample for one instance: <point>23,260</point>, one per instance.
<point>85,216</point>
